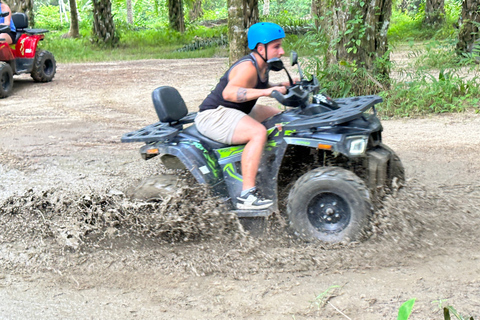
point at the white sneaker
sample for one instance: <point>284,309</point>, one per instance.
<point>252,201</point>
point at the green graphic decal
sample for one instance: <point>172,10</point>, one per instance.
<point>206,154</point>
<point>302,142</point>
<point>229,151</point>
<point>289,132</point>
<point>231,172</point>
<point>270,145</point>
<point>278,126</point>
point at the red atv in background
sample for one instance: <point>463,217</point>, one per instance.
<point>22,55</point>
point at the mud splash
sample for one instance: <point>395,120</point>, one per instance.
<point>194,233</point>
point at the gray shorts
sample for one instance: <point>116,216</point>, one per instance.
<point>219,124</point>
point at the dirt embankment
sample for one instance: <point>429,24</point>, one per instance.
<point>73,247</point>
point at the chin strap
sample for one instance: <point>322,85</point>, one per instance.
<point>256,51</point>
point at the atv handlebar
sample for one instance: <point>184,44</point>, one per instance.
<point>297,95</point>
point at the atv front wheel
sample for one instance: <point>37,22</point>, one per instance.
<point>330,204</point>
<point>44,66</point>
<point>6,80</point>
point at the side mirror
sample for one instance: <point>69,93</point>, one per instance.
<point>275,64</point>
<point>294,61</point>
<point>293,58</point>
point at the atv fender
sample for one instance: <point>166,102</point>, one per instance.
<point>26,46</point>
<point>383,166</point>
<point>194,157</point>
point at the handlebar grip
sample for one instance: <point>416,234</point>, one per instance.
<point>277,95</point>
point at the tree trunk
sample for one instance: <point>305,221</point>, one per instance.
<point>129,12</point>
<point>469,33</point>
<point>175,15</point>
<point>103,26</point>
<point>409,6</point>
<point>434,12</point>
<point>266,7</point>
<point>25,6</point>
<point>196,11</point>
<point>74,30</point>
<point>241,15</point>
<point>357,32</point>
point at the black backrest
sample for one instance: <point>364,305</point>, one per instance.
<point>169,104</point>
<point>20,20</point>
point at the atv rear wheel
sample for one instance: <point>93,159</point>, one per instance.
<point>44,66</point>
<point>6,80</point>
<point>330,204</point>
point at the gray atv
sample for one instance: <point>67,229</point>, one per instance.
<point>324,163</point>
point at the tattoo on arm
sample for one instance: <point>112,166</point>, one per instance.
<point>242,95</point>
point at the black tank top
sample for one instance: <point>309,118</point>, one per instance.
<point>215,98</point>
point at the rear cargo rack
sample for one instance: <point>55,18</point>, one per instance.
<point>159,131</point>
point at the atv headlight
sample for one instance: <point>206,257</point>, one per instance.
<point>357,145</point>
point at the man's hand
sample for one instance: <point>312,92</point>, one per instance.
<point>281,89</point>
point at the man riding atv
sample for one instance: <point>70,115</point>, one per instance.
<point>230,114</point>
<point>323,165</point>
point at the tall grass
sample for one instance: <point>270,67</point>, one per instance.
<point>423,93</point>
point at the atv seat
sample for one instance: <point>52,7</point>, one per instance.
<point>20,20</point>
<point>171,108</point>
<point>192,131</point>
<point>169,104</point>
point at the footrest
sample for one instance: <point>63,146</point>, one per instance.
<point>253,213</point>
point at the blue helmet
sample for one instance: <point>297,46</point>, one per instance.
<point>264,32</point>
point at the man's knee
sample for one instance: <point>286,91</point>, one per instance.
<point>259,132</point>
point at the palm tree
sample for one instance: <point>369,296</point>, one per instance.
<point>175,15</point>
<point>469,33</point>
<point>241,15</point>
<point>103,26</point>
<point>356,31</point>
<point>434,12</point>
<point>74,30</point>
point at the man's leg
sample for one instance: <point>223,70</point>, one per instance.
<point>252,133</point>
<point>5,37</point>
<point>262,112</point>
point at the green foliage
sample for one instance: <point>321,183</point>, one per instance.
<point>48,17</point>
<point>216,14</point>
<point>296,8</point>
<point>134,44</point>
<point>425,93</point>
<point>405,310</point>
<point>202,43</point>
<point>405,25</point>
<point>450,309</point>
<point>339,80</point>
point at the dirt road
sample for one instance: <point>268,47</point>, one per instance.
<point>60,140</point>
